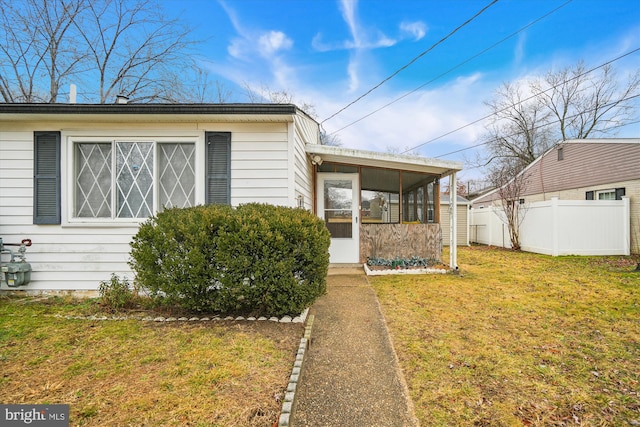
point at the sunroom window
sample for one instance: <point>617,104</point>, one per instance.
<point>132,179</point>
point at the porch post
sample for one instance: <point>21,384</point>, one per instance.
<point>453,222</point>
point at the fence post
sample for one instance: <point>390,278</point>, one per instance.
<point>626,221</point>
<point>554,225</point>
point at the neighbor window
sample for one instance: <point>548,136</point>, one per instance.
<point>132,178</point>
<point>613,194</point>
<point>609,194</point>
<point>606,195</point>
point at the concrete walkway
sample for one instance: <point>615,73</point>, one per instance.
<point>350,375</point>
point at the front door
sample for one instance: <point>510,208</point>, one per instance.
<point>338,206</point>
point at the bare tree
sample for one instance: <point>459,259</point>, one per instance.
<point>517,134</point>
<point>586,104</point>
<point>510,189</point>
<point>135,50</point>
<point>126,47</point>
<point>530,116</point>
<point>329,138</point>
<point>40,48</point>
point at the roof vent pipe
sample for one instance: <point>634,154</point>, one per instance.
<point>122,99</point>
<point>72,94</point>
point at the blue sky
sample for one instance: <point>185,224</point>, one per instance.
<point>329,52</point>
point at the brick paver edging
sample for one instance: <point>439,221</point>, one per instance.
<point>294,379</point>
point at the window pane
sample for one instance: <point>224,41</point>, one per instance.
<point>380,195</point>
<point>376,206</point>
<point>430,203</point>
<point>420,204</point>
<point>93,180</point>
<point>176,167</point>
<point>134,179</point>
<point>607,195</point>
<point>338,208</point>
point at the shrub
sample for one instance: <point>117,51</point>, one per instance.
<point>116,293</point>
<point>255,258</point>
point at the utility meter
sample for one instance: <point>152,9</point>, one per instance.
<point>16,272</point>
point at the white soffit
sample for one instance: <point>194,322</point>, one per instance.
<point>383,160</point>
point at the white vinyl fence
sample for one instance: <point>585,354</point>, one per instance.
<point>560,227</point>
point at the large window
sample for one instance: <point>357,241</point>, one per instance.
<point>418,198</point>
<point>132,179</point>
<point>380,196</point>
<point>606,195</point>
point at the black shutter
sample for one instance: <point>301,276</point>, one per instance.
<point>218,167</point>
<point>619,193</point>
<point>589,195</point>
<point>46,178</point>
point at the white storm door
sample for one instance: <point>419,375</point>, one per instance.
<point>338,206</point>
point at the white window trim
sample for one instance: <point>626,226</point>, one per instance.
<point>606,191</point>
<point>68,178</point>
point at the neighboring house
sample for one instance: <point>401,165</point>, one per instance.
<point>584,169</point>
<point>79,179</point>
<point>463,220</point>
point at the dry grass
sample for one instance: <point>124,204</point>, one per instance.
<point>121,373</point>
<point>519,339</point>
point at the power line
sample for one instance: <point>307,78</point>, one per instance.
<point>548,124</point>
<point>412,61</point>
<point>524,100</point>
<point>457,66</point>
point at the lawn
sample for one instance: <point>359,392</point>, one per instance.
<point>519,339</point>
<point>130,372</point>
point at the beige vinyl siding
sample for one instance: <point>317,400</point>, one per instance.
<point>462,229</point>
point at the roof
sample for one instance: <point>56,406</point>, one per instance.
<point>150,112</point>
<point>444,199</point>
<point>383,160</point>
<point>586,162</point>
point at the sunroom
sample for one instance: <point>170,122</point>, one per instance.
<point>380,205</point>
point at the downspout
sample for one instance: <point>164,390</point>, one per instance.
<point>453,223</point>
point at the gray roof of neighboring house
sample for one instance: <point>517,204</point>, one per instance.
<point>444,198</point>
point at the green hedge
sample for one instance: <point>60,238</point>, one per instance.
<point>256,258</point>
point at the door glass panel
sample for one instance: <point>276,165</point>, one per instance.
<point>338,207</point>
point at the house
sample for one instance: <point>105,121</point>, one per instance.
<point>78,180</point>
<point>584,169</point>
<point>463,220</point>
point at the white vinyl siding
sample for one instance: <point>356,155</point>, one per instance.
<point>305,132</point>
<point>79,253</point>
<point>259,165</point>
